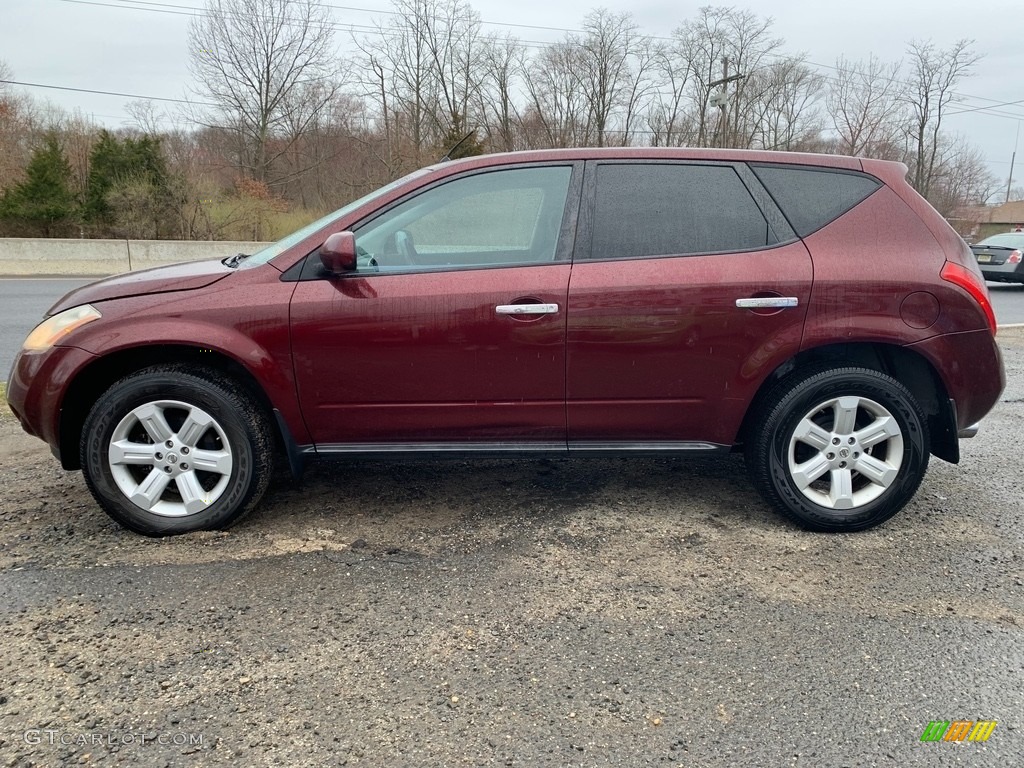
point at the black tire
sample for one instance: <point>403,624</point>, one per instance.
<point>781,464</point>
<point>212,422</point>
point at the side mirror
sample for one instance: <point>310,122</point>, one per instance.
<point>338,253</point>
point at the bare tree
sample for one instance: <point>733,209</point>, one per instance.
<point>455,47</point>
<point>703,42</point>
<point>961,176</point>
<point>935,73</point>
<point>667,113</point>
<point>498,90</point>
<point>146,117</point>
<point>268,69</point>
<point>866,103</point>
<point>725,44</point>
<point>558,109</point>
<point>424,77</point>
<point>783,106</point>
<point>14,134</point>
<point>606,52</point>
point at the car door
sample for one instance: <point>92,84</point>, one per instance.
<point>451,331</point>
<point>686,292</point>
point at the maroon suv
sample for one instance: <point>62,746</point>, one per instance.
<point>811,311</point>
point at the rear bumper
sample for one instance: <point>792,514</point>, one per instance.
<point>1003,273</point>
<point>971,367</point>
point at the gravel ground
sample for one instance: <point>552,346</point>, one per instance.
<point>536,613</point>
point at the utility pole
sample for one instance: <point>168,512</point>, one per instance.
<point>1013,159</point>
<point>721,100</point>
<point>725,101</point>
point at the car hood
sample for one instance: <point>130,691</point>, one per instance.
<point>175,277</point>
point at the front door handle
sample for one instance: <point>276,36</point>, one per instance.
<point>768,302</point>
<point>526,309</point>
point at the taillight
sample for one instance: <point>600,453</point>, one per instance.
<point>1013,258</point>
<point>974,285</point>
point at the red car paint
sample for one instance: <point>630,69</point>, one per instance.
<point>652,354</point>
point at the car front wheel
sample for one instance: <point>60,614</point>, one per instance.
<point>840,449</point>
<point>173,449</point>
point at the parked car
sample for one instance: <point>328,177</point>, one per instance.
<point>813,312</point>
<point>1000,257</point>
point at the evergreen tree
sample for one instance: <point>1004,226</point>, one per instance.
<point>458,142</point>
<point>44,200</point>
<point>128,188</point>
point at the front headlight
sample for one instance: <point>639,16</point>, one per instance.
<point>55,328</point>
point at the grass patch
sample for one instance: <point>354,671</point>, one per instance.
<point>245,220</point>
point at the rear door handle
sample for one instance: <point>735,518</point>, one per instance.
<point>768,302</point>
<point>526,309</point>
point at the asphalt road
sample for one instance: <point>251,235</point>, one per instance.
<point>22,304</point>
<point>534,614</point>
<point>24,300</point>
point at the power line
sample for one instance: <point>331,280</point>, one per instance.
<point>193,11</point>
<point>109,93</point>
<point>992,107</point>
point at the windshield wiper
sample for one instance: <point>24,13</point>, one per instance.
<point>234,261</point>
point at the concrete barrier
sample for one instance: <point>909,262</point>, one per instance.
<point>21,256</point>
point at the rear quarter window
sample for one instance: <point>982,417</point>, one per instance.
<point>812,197</point>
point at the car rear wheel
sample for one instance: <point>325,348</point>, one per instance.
<point>840,449</point>
<point>173,449</point>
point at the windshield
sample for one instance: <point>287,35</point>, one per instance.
<point>1008,240</point>
<point>276,249</point>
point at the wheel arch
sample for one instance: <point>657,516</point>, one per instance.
<point>912,369</point>
<point>99,375</point>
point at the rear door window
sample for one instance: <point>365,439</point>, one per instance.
<point>661,209</point>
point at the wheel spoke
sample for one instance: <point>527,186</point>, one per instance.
<point>148,492</point>
<point>845,411</point>
<point>194,427</point>
<point>806,473</point>
<point>211,461</point>
<point>192,494</point>
<point>875,470</point>
<point>841,492</point>
<point>143,471</point>
<point>810,433</point>
<point>151,417</point>
<point>877,431</point>
<point>127,452</point>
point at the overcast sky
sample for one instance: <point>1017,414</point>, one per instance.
<point>113,45</point>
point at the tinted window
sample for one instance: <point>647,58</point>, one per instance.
<point>1008,240</point>
<point>501,217</point>
<point>651,209</point>
<point>812,197</point>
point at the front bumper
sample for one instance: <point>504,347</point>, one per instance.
<point>37,386</point>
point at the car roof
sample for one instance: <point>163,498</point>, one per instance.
<point>662,153</point>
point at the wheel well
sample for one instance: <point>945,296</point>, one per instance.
<point>92,382</point>
<point>907,366</point>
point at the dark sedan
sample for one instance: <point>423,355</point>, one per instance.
<point>1000,257</point>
